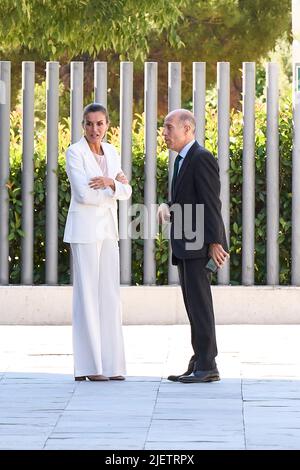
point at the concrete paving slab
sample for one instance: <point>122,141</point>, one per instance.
<point>256,405</point>
<point>271,389</point>
<point>195,445</point>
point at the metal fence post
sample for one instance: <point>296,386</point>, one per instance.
<point>52,117</point>
<point>199,89</point>
<point>248,173</point>
<point>5,68</point>
<point>126,106</point>
<point>174,102</point>
<point>272,175</point>
<point>100,83</point>
<point>76,115</point>
<point>223,85</point>
<point>28,71</point>
<point>150,171</point>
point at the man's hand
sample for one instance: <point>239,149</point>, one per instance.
<point>102,182</point>
<point>218,254</point>
<point>163,213</point>
<point>122,178</point>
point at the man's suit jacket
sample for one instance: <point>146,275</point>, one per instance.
<point>92,213</point>
<point>198,182</point>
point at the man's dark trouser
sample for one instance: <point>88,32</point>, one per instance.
<point>195,285</point>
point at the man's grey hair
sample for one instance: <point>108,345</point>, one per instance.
<point>185,116</point>
<point>94,108</point>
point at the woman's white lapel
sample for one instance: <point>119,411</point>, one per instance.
<point>90,159</point>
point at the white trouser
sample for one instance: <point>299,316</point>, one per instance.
<point>97,331</point>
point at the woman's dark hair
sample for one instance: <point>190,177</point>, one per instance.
<point>94,108</point>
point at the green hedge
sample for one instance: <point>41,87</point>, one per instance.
<point>236,142</point>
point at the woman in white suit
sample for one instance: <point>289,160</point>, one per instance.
<point>97,181</point>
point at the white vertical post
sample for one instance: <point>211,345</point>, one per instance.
<point>100,83</point>
<point>76,100</point>
<point>52,117</point>
<point>296,40</point>
<point>126,106</point>
<point>248,173</point>
<point>28,70</point>
<point>76,114</point>
<point>296,193</point>
<point>296,145</point>
<point>223,85</point>
<point>199,89</point>
<point>150,171</point>
<point>272,175</point>
<point>174,102</point>
<point>5,68</point>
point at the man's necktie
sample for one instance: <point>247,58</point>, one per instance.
<point>176,168</point>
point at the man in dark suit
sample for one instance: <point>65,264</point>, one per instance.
<point>195,185</point>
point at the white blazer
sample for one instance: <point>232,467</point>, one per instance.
<point>92,213</point>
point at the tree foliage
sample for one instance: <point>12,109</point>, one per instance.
<point>159,30</point>
<point>56,29</point>
<point>224,30</point>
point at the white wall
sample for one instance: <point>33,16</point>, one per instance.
<point>51,305</point>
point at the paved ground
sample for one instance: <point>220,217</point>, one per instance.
<point>256,405</point>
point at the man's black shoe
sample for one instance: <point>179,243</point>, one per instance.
<point>201,376</point>
<point>175,378</point>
